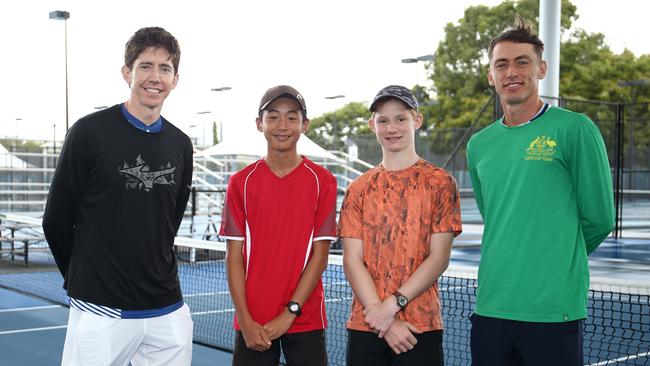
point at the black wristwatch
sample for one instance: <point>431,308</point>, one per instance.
<point>294,308</point>
<point>402,300</point>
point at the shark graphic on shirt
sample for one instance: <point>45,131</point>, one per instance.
<point>141,176</point>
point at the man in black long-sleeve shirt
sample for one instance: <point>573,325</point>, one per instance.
<point>116,201</point>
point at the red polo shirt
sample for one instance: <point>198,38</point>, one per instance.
<point>278,219</point>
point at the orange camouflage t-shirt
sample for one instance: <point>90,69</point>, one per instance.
<point>394,213</point>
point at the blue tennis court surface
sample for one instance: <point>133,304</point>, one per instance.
<point>618,326</point>
<point>31,330</point>
<point>32,333</point>
<point>617,331</point>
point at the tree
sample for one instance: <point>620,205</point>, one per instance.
<point>215,133</point>
<point>589,70</point>
<point>18,145</point>
<point>460,67</point>
<point>331,129</point>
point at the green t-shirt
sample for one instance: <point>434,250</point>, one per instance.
<point>544,190</point>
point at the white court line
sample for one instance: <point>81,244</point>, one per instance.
<point>338,300</point>
<point>624,358</point>
<point>30,308</point>
<point>208,294</point>
<point>232,310</point>
<point>32,329</point>
<point>453,288</point>
<point>213,312</point>
<point>343,283</point>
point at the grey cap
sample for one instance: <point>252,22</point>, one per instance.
<point>282,91</point>
<point>395,91</point>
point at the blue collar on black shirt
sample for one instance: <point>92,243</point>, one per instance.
<point>135,122</point>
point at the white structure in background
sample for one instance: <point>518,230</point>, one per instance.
<point>8,160</point>
<point>214,165</point>
<point>242,147</point>
<point>549,33</point>
<point>253,144</point>
<point>23,186</point>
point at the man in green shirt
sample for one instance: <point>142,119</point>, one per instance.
<point>543,186</point>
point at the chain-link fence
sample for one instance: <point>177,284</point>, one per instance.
<point>626,131</point>
<point>625,128</point>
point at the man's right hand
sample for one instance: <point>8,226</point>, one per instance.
<point>255,336</point>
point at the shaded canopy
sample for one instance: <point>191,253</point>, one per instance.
<point>8,160</point>
<point>253,143</point>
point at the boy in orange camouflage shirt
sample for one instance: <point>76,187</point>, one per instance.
<point>397,224</point>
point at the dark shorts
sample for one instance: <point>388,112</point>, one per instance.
<point>300,349</point>
<point>497,342</point>
<point>365,348</point>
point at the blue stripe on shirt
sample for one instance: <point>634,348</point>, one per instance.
<point>151,313</point>
<point>92,308</point>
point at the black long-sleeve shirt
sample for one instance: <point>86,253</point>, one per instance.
<point>115,204</point>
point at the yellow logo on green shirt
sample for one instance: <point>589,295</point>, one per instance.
<point>541,148</point>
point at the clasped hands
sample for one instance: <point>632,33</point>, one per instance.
<point>259,337</point>
<point>399,334</point>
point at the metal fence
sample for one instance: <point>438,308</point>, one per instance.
<point>25,172</point>
<point>626,131</point>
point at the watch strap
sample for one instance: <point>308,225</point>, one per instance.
<point>294,308</point>
<point>401,300</point>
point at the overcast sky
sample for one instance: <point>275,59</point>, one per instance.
<point>323,48</point>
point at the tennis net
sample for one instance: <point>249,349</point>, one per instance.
<point>617,331</point>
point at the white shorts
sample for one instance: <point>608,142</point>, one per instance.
<point>95,340</point>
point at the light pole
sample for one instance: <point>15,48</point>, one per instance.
<point>64,15</point>
<point>220,89</point>
<point>415,60</point>
<point>335,124</point>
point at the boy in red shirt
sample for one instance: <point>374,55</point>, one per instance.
<point>279,220</point>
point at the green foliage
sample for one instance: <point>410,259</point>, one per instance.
<point>18,145</point>
<point>459,71</point>
<point>589,70</point>
<point>215,133</point>
<point>331,129</point>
